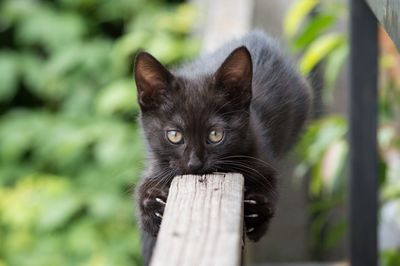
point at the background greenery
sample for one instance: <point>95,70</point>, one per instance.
<point>315,31</point>
<point>70,150</point>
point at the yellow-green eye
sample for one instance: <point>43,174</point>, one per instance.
<point>216,136</point>
<point>174,136</point>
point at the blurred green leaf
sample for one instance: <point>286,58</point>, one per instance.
<point>8,75</point>
<point>126,47</point>
<point>312,30</point>
<point>70,147</point>
<point>118,97</point>
<point>334,64</point>
<point>390,258</point>
<point>53,30</point>
<point>15,11</point>
<point>297,15</point>
<point>318,50</point>
<point>164,47</point>
<point>178,21</point>
<point>335,233</point>
<point>319,136</point>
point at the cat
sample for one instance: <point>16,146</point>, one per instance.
<point>237,109</point>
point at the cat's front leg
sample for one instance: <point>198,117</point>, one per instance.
<point>258,211</point>
<point>152,199</point>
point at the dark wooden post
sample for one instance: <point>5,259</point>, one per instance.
<point>362,135</point>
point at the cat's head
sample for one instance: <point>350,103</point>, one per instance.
<point>192,123</point>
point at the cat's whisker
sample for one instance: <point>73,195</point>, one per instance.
<point>252,158</point>
<point>222,106</point>
<point>244,165</point>
<point>250,169</point>
<point>235,111</point>
<point>254,215</point>
<point>159,179</point>
<point>162,179</point>
<point>160,200</point>
<point>251,172</point>
<point>249,176</point>
<point>252,202</point>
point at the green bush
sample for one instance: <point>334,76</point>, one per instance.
<point>70,147</point>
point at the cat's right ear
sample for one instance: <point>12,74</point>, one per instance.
<point>234,77</point>
<point>152,79</point>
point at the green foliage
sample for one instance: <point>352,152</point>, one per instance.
<point>70,147</point>
<point>296,15</point>
<point>308,27</point>
<point>390,258</point>
<point>323,149</point>
<point>319,49</point>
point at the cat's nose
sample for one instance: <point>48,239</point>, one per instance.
<point>194,164</point>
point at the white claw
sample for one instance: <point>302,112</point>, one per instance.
<point>158,215</point>
<point>254,215</point>
<point>160,201</point>
<point>253,202</point>
<point>250,230</point>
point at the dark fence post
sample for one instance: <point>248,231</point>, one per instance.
<point>362,135</point>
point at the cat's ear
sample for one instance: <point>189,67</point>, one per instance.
<point>235,76</point>
<point>152,79</point>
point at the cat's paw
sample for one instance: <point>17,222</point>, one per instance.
<point>257,213</point>
<point>152,207</point>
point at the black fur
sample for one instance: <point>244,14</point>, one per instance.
<point>248,89</point>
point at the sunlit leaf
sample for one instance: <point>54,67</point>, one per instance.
<point>296,16</point>
<point>165,47</point>
<point>312,30</point>
<point>318,50</point>
<point>180,20</point>
<point>333,67</point>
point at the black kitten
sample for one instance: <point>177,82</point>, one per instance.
<point>238,109</point>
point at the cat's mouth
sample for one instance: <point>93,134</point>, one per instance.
<point>185,169</point>
<point>199,171</point>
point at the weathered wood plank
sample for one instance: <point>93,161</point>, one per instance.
<point>363,156</point>
<point>202,223</point>
<point>222,20</point>
<point>388,14</point>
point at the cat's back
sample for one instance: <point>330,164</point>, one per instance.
<point>264,52</point>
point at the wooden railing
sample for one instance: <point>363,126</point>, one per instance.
<point>202,223</point>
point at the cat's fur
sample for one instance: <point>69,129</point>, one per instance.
<point>250,90</point>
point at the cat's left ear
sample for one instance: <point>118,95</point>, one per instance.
<point>152,80</point>
<point>235,76</point>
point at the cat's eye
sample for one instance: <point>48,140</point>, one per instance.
<point>216,136</point>
<point>175,136</point>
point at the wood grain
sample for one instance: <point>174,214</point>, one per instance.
<point>202,223</point>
